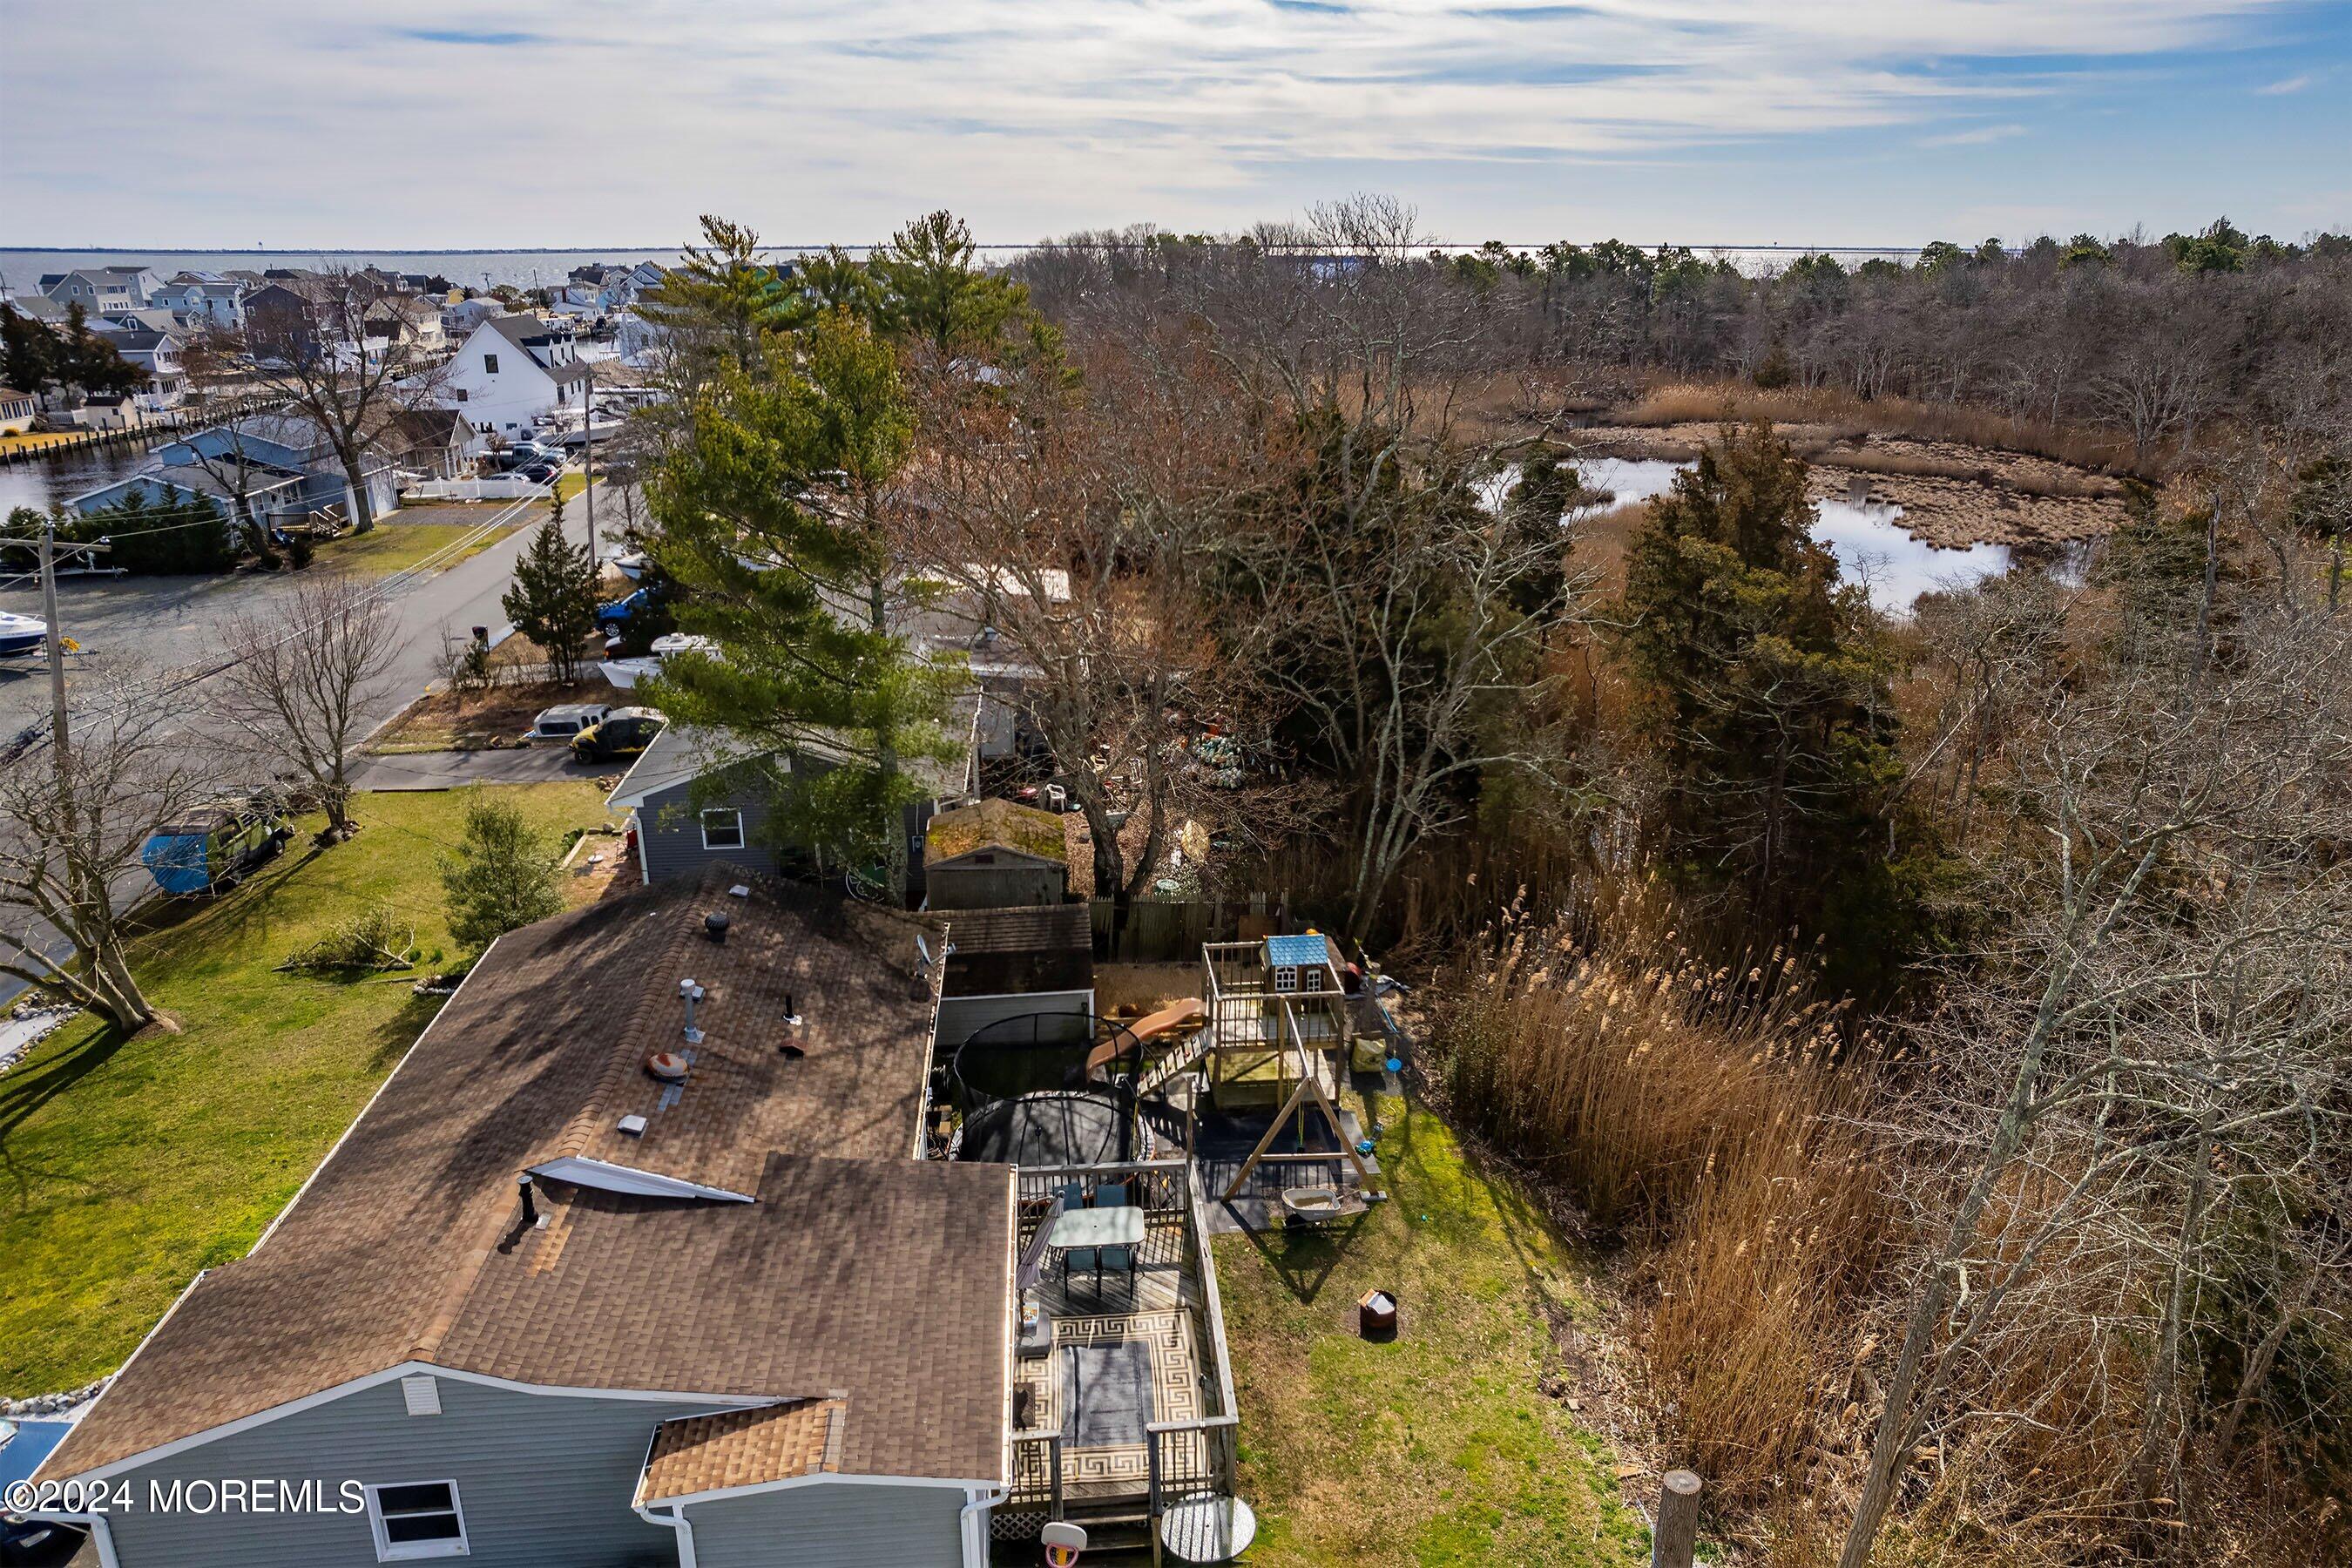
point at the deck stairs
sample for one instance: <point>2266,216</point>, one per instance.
<point>1187,1055</point>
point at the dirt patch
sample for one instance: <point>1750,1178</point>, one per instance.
<point>479,721</point>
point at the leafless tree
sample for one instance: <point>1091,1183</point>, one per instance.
<point>302,679</point>
<point>78,815</point>
<point>340,349</point>
<point>2162,1024</point>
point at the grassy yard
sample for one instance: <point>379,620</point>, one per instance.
<point>1437,1447</point>
<point>125,1166</point>
<point>392,547</point>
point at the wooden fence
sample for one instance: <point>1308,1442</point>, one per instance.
<point>1172,930</point>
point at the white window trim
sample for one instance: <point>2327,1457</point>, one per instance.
<point>723,811</point>
<point>386,1551</point>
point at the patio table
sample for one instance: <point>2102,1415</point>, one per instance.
<point>1121,1226</point>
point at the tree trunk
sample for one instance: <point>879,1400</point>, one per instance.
<point>362,513</point>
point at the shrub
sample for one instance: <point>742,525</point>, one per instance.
<point>501,876</point>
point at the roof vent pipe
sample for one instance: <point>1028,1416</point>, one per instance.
<point>692,993</point>
<point>530,1204</point>
<point>714,926</point>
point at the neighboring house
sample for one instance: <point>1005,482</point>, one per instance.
<point>157,353</point>
<point>435,441</point>
<point>637,340</point>
<point>101,291</point>
<point>995,855</point>
<point>697,798</point>
<point>512,369</point>
<point>461,317</point>
<point>203,299</point>
<point>17,410</point>
<point>112,411</point>
<point>297,470</point>
<point>1009,963</point>
<point>729,1320</point>
<point>407,319</point>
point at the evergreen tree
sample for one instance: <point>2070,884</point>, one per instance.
<point>774,509</point>
<point>553,599</point>
<point>88,361</point>
<point>721,300</point>
<point>501,875</point>
<point>1764,692</point>
<point>28,353</point>
<point>934,291</point>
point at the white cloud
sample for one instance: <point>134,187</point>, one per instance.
<point>2289,84</point>
<point>1976,136</point>
<point>443,123</point>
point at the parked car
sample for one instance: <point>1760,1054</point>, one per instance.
<point>206,850</point>
<point>539,473</point>
<point>566,720</point>
<point>623,732</point>
<point>33,1543</point>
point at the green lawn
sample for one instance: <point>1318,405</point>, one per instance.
<point>1438,1448</point>
<point>125,1166</point>
<point>390,547</point>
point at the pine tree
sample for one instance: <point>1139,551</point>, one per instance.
<point>773,509</point>
<point>501,875</point>
<point>1764,692</point>
<point>553,600</point>
<point>28,353</point>
<point>933,291</point>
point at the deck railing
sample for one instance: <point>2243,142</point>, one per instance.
<point>1184,1458</point>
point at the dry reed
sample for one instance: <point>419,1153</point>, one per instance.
<point>1699,1107</point>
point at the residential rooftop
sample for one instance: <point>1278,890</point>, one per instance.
<point>768,1235</point>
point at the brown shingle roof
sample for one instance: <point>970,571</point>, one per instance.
<point>866,1271</point>
<point>740,1449</point>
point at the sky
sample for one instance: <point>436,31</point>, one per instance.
<point>317,124</point>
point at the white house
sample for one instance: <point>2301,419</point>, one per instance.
<point>512,370</point>
<point>157,353</point>
<point>17,410</point>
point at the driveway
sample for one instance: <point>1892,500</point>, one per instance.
<point>455,770</point>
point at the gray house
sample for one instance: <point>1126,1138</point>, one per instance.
<point>697,797</point>
<point>995,855</point>
<point>724,1320</point>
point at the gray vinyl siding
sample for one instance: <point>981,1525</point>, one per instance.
<point>669,825</point>
<point>543,1481</point>
<point>836,1524</point>
<point>960,1017</point>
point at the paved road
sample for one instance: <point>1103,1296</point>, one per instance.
<point>150,626</point>
<point>454,770</point>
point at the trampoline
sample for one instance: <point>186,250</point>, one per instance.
<point>1059,1127</point>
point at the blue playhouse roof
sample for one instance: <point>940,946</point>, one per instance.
<point>1301,951</point>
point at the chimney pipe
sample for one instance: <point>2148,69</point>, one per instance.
<point>692,993</point>
<point>529,1207</point>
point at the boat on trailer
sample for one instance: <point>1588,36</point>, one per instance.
<point>21,635</point>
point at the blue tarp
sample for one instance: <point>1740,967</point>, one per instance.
<point>24,1449</point>
<point>178,861</point>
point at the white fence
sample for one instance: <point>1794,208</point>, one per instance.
<point>505,487</point>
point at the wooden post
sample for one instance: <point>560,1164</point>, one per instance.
<point>1675,1538</point>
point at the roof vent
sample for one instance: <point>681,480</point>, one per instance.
<point>669,1066</point>
<point>690,994</point>
<point>714,926</point>
<point>634,1125</point>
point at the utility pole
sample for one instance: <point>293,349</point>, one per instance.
<point>57,648</point>
<point>588,462</point>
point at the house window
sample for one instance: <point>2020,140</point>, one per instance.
<point>489,364</point>
<point>461,394</point>
<point>1286,977</point>
<point>416,1519</point>
<point>722,829</point>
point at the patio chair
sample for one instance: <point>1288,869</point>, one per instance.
<point>1086,1257</point>
<point>1113,1195</point>
<point>1119,1259</point>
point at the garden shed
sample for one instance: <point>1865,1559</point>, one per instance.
<point>994,855</point>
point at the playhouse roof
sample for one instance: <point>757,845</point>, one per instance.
<point>1286,951</point>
